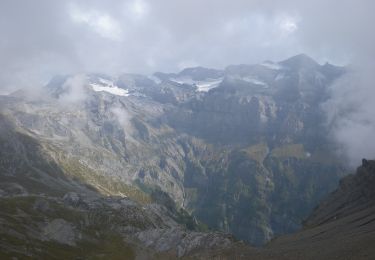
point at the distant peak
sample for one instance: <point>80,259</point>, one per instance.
<point>364,162</point>
<point>200,73</point>
<point>198,69</point>
<point>300,60</point>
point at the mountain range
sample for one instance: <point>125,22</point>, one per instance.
<point>178,164</point>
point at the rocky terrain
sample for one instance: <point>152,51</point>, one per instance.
<point>341,227</point>
<point>242,151</point>
<point>73,220</point>
<point>50,216</point>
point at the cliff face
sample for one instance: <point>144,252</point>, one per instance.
<point>341,227</point>
<point>355,194</point>
<point>46,214</point>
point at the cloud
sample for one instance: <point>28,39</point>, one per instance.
<point>124,118</point>
<point>137,9</point>
<point>44,38</point>
<point>351,114</point>
<point>288,25</point>
<point>103,24</point>
<point>74,90</point>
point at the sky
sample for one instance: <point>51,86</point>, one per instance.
<point>42,38</point>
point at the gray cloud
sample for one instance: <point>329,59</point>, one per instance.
<point>144,35</point>
<point>42,38</point>
<point>75,91</point>
<point>351,114</point>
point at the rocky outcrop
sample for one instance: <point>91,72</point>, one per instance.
<point>183,242</point>
<point>355,193</point>
<point>60,231</point>
<point>94,226</point>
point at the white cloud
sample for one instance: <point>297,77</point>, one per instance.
<point>288,25</point>
<point>74,90</point>
<point>187,64</point>
<point>123,117</point>
<point>103,24</point>
<point>350,114</point>
<point>137,9</point>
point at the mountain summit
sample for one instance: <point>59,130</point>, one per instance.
<point>300,61</point>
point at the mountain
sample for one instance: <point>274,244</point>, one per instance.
<point>45,214</point>
<point>341,227</point>
<point>72,219</point>
<point>355,196</point>
<point>197,73</point>
<point>242,150</point>
<point>300,61</point>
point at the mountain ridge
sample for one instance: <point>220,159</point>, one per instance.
<point>249,152</point>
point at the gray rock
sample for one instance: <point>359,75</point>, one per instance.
<point>41,205</point>
<point>181,241</point>
<point>60,231</point>
<point>72,199</point>
<point>13,189</point>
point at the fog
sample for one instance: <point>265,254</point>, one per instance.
<point>42,38</point>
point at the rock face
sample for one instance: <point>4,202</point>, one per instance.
<point>182,241</point>
<point>243,150</point>
<point>355,194</point>
<point>60,231</point>
<point>341,227</point>
<point>97,227</point>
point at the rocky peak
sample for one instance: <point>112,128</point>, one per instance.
<point>201,73</point>
<point>300,61</point>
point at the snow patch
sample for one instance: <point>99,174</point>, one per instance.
<point>271,65</point>
<point>201,85</point>
<point>188,81</point>
<point>205,86</point>
<point>108,86</point>
<point>254,81</point>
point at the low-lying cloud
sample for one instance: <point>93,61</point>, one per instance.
<point>351,114</point>
<point>74,90</point>
<point>123,117</point>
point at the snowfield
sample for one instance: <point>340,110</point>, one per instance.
<point>202,86</point>
<point>271,65</point>
<point>109,87</point>
<point>255,81</point>
<point>205,86</point>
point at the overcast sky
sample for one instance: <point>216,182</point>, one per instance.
<point>41,38</point>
